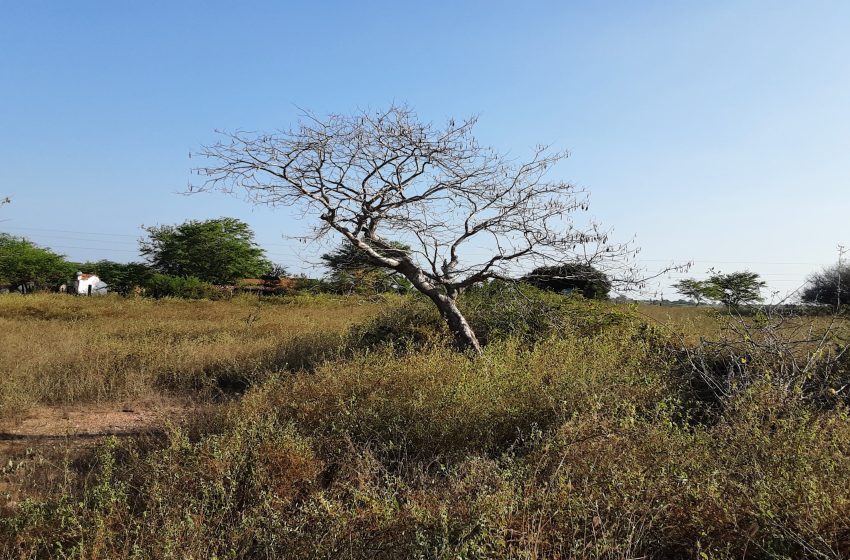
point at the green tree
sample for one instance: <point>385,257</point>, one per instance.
<point>734,289</point>
<point>352,270</point>
<point>23,263</point>
<point>690,288</point>
<point>571,277</point>
<point>219,251</point>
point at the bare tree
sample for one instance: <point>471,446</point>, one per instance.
<point>381,179</point>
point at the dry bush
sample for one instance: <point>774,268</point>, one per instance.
<point>428,404</point>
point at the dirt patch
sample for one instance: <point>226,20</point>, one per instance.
<point>92,420</point>
<point>36,449</point>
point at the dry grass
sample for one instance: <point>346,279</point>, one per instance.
<point>583,442</point>
<point>59,349</point>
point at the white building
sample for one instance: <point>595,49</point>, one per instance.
<point>88,285</point>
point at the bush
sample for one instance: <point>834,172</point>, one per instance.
<point>187,287</point>
<point>572,277</point>
<point>496,311</point>
<point>830,286</point>
<point>772,346</point>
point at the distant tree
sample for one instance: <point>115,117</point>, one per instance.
<point>122,278</point>
<point>734,289</point>
<point>829,286</point>
<point>571,277</point>
<point>352,270</point>
<point>278,271</point>
<point>692,289</point>
<point>23,264</point>
<point>219,251</point>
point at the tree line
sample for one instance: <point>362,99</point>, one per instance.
<point>192,259</point>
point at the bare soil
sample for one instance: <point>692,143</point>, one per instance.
<point>35,448</point>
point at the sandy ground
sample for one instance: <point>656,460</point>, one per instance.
<point>91,420</point>
<point>41,423</point>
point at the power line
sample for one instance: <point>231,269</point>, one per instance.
<point>713,261</point>
<point>79,232</point>
<point>102,234</point>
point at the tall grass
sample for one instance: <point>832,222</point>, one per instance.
<point>60,349</point>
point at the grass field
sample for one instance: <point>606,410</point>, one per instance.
<point>65,350</point>
<point>347,428</point>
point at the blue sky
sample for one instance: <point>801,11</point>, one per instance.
<point>712,131</point>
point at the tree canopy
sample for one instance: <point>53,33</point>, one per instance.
<point>468,213</point>
<point>219,251</point>
<point>23,263</point>
<point>830,286</point>
<point>733,289</point>
<point>571,277</point>
<point>695,290</point>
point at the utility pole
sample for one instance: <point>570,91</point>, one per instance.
<point>841,251</point>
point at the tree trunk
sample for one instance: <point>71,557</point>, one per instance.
<point>464,336</point>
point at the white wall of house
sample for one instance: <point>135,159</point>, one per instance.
<point>88,284</point>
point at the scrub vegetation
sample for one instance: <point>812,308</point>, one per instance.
<point>353,429</point>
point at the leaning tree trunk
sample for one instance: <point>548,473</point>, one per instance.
<point>464,336</point>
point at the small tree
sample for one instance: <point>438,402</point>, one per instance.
<point>692,289</point>
<point>829,286</point>
<point>468,213</point>
<point>24,264</point>
<point>353,270</point>
<point>571,277</point>
<point>277,271</point>
<point>218,251</point>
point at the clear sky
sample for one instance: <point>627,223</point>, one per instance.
<point>712,131</point>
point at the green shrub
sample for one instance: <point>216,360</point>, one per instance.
<point>496,311</point>
<point>187,287</point>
